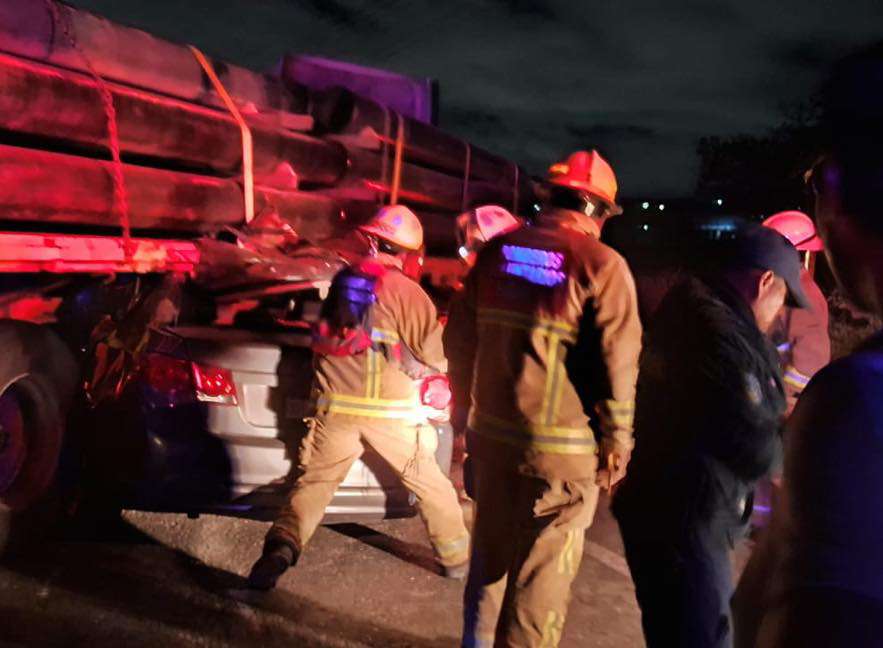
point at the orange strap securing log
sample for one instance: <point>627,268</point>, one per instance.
<point>247,147</point>
<point>397,163</point>
<point>467,174</point>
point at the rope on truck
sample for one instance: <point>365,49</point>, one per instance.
<point>61,17</point>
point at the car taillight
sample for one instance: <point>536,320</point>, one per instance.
<point>181,381</point>
<point>214,385</point>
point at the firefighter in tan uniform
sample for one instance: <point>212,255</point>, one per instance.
<point>375,325</point>
<point>801,334</point>
<point>543,347</point>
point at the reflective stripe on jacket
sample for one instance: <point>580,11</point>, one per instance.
<point>544,336</point>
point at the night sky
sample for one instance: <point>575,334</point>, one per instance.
<point>534,80</point>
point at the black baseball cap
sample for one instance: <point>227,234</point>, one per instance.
<point>762,248</point>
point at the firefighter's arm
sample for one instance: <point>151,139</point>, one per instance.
<point>810,342</point>
<point>420,329</point>
<point>460,339</point>
<point>615,306</point>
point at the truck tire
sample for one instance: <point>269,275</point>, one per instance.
<point>38,376</point>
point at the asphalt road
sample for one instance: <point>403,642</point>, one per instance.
<point>165,580</point>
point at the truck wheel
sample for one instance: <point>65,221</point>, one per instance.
<point>38,376</point>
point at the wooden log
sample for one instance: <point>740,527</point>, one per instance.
<point>47,101</point>
<point>51,188</point>
<point>341,111</point>
<point>419,186</point>
<point>28,28</point>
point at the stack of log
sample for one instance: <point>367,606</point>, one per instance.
<point>323,159</point>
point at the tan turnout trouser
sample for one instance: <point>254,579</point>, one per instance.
<point>527,546</point>
<point>330,449</point>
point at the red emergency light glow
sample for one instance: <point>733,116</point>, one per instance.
<point>214,385</point>
<point>93,254</point>
<point>181,381</point>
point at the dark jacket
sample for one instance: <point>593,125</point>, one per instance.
<point>709,405</point>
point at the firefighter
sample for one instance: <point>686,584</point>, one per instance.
<point>479,225</point>
<point>375,326</point>
<point>801,334</point>
<point>543,344</point>
<point>710,402</point>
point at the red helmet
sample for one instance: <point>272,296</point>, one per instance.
<point>589,172</point>
<point>798,228</point>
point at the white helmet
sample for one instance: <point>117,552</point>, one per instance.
<point>398,225</point>
<point>481,224</point>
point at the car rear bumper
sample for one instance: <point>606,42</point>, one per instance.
<point>179,459</point>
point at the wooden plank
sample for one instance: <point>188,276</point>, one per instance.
<point>420,186</point>
<point>340,111</point>
<point>50,102</point>
<point>134,57</point>
<point>51,188</point>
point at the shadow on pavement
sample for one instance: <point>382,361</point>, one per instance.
<point>134,591</point>
<point>418,555</point>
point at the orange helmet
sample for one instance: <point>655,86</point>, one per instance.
<point>479,225</point>
<point>398,225</point>
<point>589,172</point>
<point>798,228</point>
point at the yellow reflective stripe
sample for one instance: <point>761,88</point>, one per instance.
<point>372,407</point>
<point>552,630</point>
<point>616,414</point>
<point>373,369</point>
<point>552,392</point>
<point>456,547</point>
<point>370,373</point>
<point>534,436</point>
<point>359,400</point>
<point>795,378</point>
<point>527,322</point>
<point>565,560</point>
<point>535,428</point>
<point>384,335</point>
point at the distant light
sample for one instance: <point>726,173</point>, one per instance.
<point>536,207</point>
<point>645,205</point>
<point>719,201</point>
<point>646,227</point>
<point>463,252</point>
<point>661,207</point>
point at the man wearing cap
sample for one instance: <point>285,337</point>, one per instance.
<point>710,402</point>
<point>544,337</point>
<point>801,334</point>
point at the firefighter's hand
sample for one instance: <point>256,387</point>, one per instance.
<point>613,459</point>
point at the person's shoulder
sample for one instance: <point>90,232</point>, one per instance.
<point>597,256</point>
<point>845,394</point>
<point>859,373</point>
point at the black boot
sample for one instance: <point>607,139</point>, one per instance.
<point>276,558</point>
